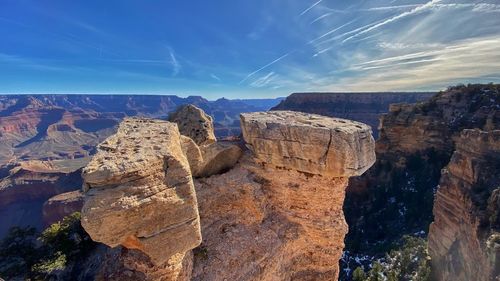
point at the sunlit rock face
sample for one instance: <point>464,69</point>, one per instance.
<point>309,143</point>
<point>266,215</point>
<point>193,122</point>
<point>140,193</point>
<point>277,215</point>
<point>464,239</point>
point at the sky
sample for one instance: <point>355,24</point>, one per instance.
<point>246,48</point>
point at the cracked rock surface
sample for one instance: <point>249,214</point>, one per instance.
<point>309,143</point>
<point>140,193</point>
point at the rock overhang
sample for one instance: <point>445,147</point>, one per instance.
<point>309,143</point>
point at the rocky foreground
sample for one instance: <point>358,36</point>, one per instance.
<point>273,214</point>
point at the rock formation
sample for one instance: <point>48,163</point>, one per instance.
<point>362,107</point>
<point>193,122</point>
<point>140,194</point>
<point>272,216</point>
<point>395,197</point>
<point>309,143</point>
<point>464,239</point>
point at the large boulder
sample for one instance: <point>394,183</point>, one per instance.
<point>218,158</point>
<point>309,143</point>
<point>193,122</point>
<point>140,193</point>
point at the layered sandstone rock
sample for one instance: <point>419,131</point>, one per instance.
<point>274,220</point>
<point>140,193</point>
<point>464,239</point>
<point>309,143</point>
<point>416,142</point>
<point>270,224</point>
<point>194,123</point>
<point>282,220</point>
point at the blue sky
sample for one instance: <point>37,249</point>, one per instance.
<point>250,49</point>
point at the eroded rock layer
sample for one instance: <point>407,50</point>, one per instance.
<point>395,197</point>
<point>140,193</point>
<point>464,239</point>
<point>269,224</point>
<point>309,143</point>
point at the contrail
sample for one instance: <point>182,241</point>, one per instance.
<point>265,66</point>
<point>312,6</point>
<point>321,17</point>
<point>175,64</point>
<point>215,77</point>
<point>389,20</point>
<point>331,31</point>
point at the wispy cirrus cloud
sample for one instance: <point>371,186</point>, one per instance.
<point>176,66</point>
<point>264,80</point>
<point>464,60</point>
<point>215,77</point>
<point>413,11</point>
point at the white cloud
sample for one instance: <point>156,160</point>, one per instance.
<point>264,80</point>
<point>265,66</point>
<point>176,66</point>
<point>414,11</point>
<point>215,77</point>
<point>464,60</point>
<point>310,7</point>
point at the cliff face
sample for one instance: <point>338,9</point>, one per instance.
<point>26,186</point>
<point>362,107</point>
<point>395,197</point>
<point>275,214</point>
<point>464,239</point>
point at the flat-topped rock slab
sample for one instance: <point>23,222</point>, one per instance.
<point>309,143</point>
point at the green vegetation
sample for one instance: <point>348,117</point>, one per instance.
<point>411,262</point>
<point>24,253</point>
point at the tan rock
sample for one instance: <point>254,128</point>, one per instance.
<point>269,224</point>
<point>464,241</point>
<point>217,158</point>
<point>309,143</point>
<point>193,154</point>
<point>279,221</point>
<point>193,122</point>
<point>210,159</point>
<point>140,192</point>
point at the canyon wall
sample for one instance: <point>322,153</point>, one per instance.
<point>395,197</point>
<point>274,214</point>
<point>464,239</point>
<point>362,107</point>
